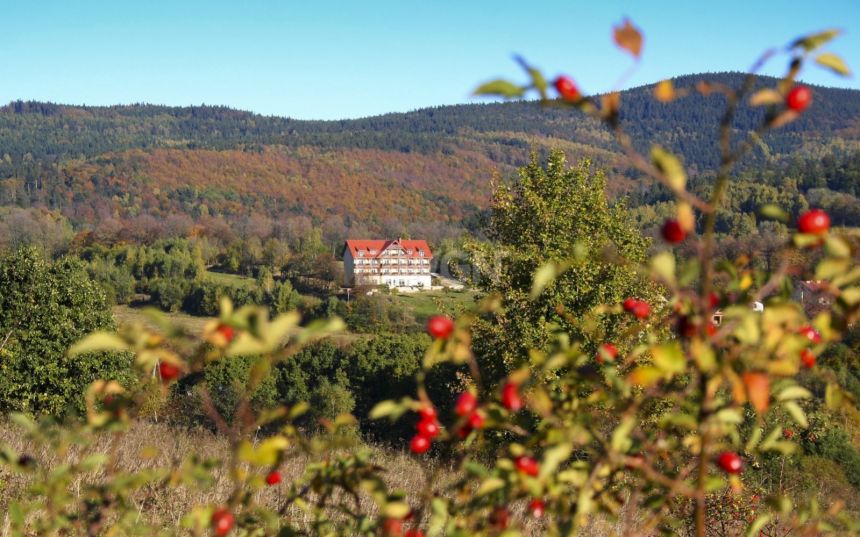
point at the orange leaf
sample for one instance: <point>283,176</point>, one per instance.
<point>758,389</point>
<point>629,38</point>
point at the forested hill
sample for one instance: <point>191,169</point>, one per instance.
<point>429,165</point>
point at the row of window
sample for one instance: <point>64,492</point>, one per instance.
<point>376,263</point>
<point>392,271</point>
<point>391,252</point>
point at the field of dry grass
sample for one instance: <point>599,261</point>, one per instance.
<point>151,445</point>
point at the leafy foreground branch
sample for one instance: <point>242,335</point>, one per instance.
<point>640,409</point>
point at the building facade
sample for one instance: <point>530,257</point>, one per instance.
<point>397,263</point>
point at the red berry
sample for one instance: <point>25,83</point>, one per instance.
<point>629,304</point>
<point>511,397</point>
<point>711,329</point>
<point>813,222</point>
<point>788,433</point>
<point>499,517</point>
<point>440,327</point>
<point>730,462</point>
<point>641,310</point>
<point>536,508</point>
<point>392,527</point>
<point>427,412</point>
<point>672,231</point>
<point>419,444</point>
<point>799,98</point>
<point>414,533</point>
<point>811,333</point>
<point>226,331</point>
<point>222,521</point>
<point>476,419</point>
<point>168,371</point>
<point>428,428</point>
<point>566,87</point>
<point>607,351</point>
<point>807,358</point>
<point>527,465</point>
<point>714,299</point>
<point>466,403</point>
<point>273,478</point>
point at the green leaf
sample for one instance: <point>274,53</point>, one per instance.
<point>773,212</point>
<point>830,267</point>
<point>93,461</point>
<point>538,80</point>
<point>663,266</point>
<point>99,342</point>
<point>850,296</point>
<point>759,524</point>
<point>670,167</point>
<point>383,409</point>
<point>813,41</point>
<point>793,392</point>
<point>553,457</point>
<point>796,413</point>
<point>645,376</point>
<point>489,485</point>
<point>397,510</point>
<point>501,88</point>
<point>837,247</point>
<point>834,63</point>
<point>621,441</point>
<point>669,358</point>
<point>545,275</point>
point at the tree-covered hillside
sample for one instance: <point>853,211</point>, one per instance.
<point>429,168</point>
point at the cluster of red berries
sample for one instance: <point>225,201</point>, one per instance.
<point>428,429</point>
<point>467,407</point>
<point>639,308</point>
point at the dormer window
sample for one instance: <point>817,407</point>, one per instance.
<point>361,253</point>
<point>421,253</point>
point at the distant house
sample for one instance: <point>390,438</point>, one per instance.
<point>813,295</point>
<point>397,263</point>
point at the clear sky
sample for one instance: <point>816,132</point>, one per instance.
<point>329,59</point>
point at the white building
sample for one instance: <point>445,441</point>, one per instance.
<point>397,263</point>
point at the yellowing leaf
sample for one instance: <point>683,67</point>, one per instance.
<point>766,96</point>
<point>501,88</point>
<point>834,63</point>
<point>669,165</point>
<point>669,358</point>
<point>396,510</point>
<point>544,276</point>
<point>489,485</point>
<point>552,459</point>
<point>686,217</point>
<point>628,38</point>
<point>796,413</point>
<point>663,266</point>
<point>99,342</point>
<point>645,376</point>
<point>813,41</point>
<point>664,91</point>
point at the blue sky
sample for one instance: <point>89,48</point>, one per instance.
<point>330,59</point>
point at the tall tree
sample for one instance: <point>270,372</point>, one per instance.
<point>44,308</point>
<point>554,212</point>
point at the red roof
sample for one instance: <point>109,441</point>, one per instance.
<point>374,248</point>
